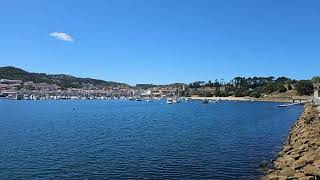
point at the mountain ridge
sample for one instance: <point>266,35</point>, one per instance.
<point>62,80</point>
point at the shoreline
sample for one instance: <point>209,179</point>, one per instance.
<point>303,100</point>
<point>268,99</point>
<point>300,156</point>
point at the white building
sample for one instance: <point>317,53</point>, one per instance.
<point>8,81</point>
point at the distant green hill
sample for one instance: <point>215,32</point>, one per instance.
<point>61,80</point>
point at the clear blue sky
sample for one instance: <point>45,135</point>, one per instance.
<point>162,41</point>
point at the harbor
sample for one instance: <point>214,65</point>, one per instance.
<point>160,89</point>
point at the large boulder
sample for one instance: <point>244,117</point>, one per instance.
<point>310,170</point>
<point>288,171</point>
<point>290,162</point>
<point>281,164</point>
<point>300,164</point>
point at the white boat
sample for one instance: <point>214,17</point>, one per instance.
<point>176,101</point>
<point>170,101</point>
<point>213,101</point>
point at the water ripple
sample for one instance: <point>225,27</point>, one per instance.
<point>132,140</point>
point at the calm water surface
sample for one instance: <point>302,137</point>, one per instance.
<point>127,139</point>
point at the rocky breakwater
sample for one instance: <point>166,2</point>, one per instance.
<point>300,157</point>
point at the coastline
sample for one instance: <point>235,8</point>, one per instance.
<point>267,99</point>
<point>300,156</point>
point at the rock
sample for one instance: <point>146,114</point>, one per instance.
<point>317,164</point>
<point>317,156</point>
<point>283,177</point>
<point>305,141</point>
<point>300,156</point>
<point>309,170</point>
<point>287,148</point>
<point>273,177</point>
<point>296,156</point>
<point>288,171</point>
<point>298,175</point>
<point>280,164</point>
<point>307,178</point>
<point>302,148</point>
<point>300,164</point>
<point>278,178</point>
<point>290,162</point>
<point>264,167</point>
<point>309,156</point>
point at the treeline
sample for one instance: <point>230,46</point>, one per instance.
<point>254,87</point>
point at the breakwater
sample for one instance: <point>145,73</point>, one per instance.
<point>300,156</point>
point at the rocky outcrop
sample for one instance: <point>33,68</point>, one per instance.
<point>300,157</point>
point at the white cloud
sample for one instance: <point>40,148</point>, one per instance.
<point>62,36</point>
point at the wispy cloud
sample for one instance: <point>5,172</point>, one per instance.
<point>62,36</point>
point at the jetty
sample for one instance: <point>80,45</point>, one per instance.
<point>300,156</point>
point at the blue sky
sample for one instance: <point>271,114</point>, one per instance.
<point>162,41</point>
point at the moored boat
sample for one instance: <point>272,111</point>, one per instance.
<point>170,101</point>
<point>283,105</point>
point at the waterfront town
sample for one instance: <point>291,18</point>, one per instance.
<point>20,90</point>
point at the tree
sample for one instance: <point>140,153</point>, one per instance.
<point>239,93</point>
<point>196,84</point>
<point>255,94</point>
<point>316,79</point>
<point>270,88</point>
<point>282,89</point>
<point>282,80</point>
<point>216,84</point>
<point>209,84</point>
<point>304,87</point>
<point>217,93</point>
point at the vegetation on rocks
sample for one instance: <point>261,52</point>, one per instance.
<point>304,87</point>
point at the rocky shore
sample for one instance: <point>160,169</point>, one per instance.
<point>300,156</point>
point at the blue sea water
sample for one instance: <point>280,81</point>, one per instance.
<point>118,139</point>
